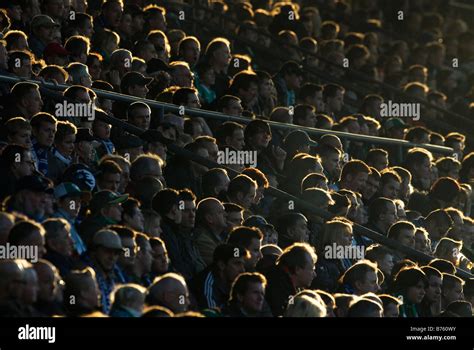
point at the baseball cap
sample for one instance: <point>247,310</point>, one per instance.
<point>128,141</point>
<point>84,134</point>
<point>394,123</point>
<point>106,197</point>
<point>55,49</point>
<point>43,21</point>
<point>81,176</point>
<point>107,239</point>
<point>257,221</point>
<point>299,138</point>
<point>69,189</point>
<point>134,78</point>
<point>35,183</point>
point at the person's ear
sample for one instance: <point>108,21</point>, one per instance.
<point>240,196</point>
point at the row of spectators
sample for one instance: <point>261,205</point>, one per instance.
<point>116,224</point>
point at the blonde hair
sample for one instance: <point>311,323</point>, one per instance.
<point>305,306</point>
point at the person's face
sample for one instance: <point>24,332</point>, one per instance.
<point>209,77</point>
<point>423,170</point>
<point>252,300</point>
<point>22,137</point>
<point>310,120</point>
<point>141,118</point>
<point>188,214</point>
<point>246,199</point>
<point>266,88</point>
<point>369,284</point>
<point>47,284</point>
<point>261,139</point>
<point>234,108</point>
<point>66,146</point>
<point>138,90</point>
<point>259,195</point>
<point>407,238</point>
<point>249,96</point>
<point>294,81</point>
<point>88,29</point>
<point>157,21</point>
<point>45,134</point>
<point>101,129</point>
<point>421,243</point>
<point>300,230</point>
<point>335,103</point>
<point>114,212</point>
<point>137,221</point>
<point>219,217</point>
<point>45,33</point>
<point>85,150</point>
<point>36,239</point>
<point>95,69</point>
<point>331,163</point>
<point>183,77</point>
<point>270,236</point>
<point>233,219</point>
<point>146,257</point>
<point>34,102</point>
<point>222,56</point>
<point>64,242</point>
<point>193,101</point>
<point>345,237</point>
<point>416,293</point>
<point>380,162</point>
<point>110,181</point>
<point>237,140</point>
<point>391,189</point>
<point>304,276</point>
<point>453,294</point>
<point>233,268</point>
<point>34,204</point>
<point>255,254</point>
<point>126,24</point>
<point>160,260</point>
<point>90,293</point>
<point>433,291</point>
<point>113,15</point>
<point>191,52</point>
<point>107,258</point>
<point>127,258</point>
<point>386,264</point>
<point>55,8</point>
<point>391,310</point>
<point>370,187</point>
<point>357,182</point>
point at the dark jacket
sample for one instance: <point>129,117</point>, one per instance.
<point>279,289</point>
<point>183,253</point>
<point>328,272</point>
<point>210,291</point>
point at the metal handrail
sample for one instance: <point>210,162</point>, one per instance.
<point>359,229</point>
<point>224,117</point>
